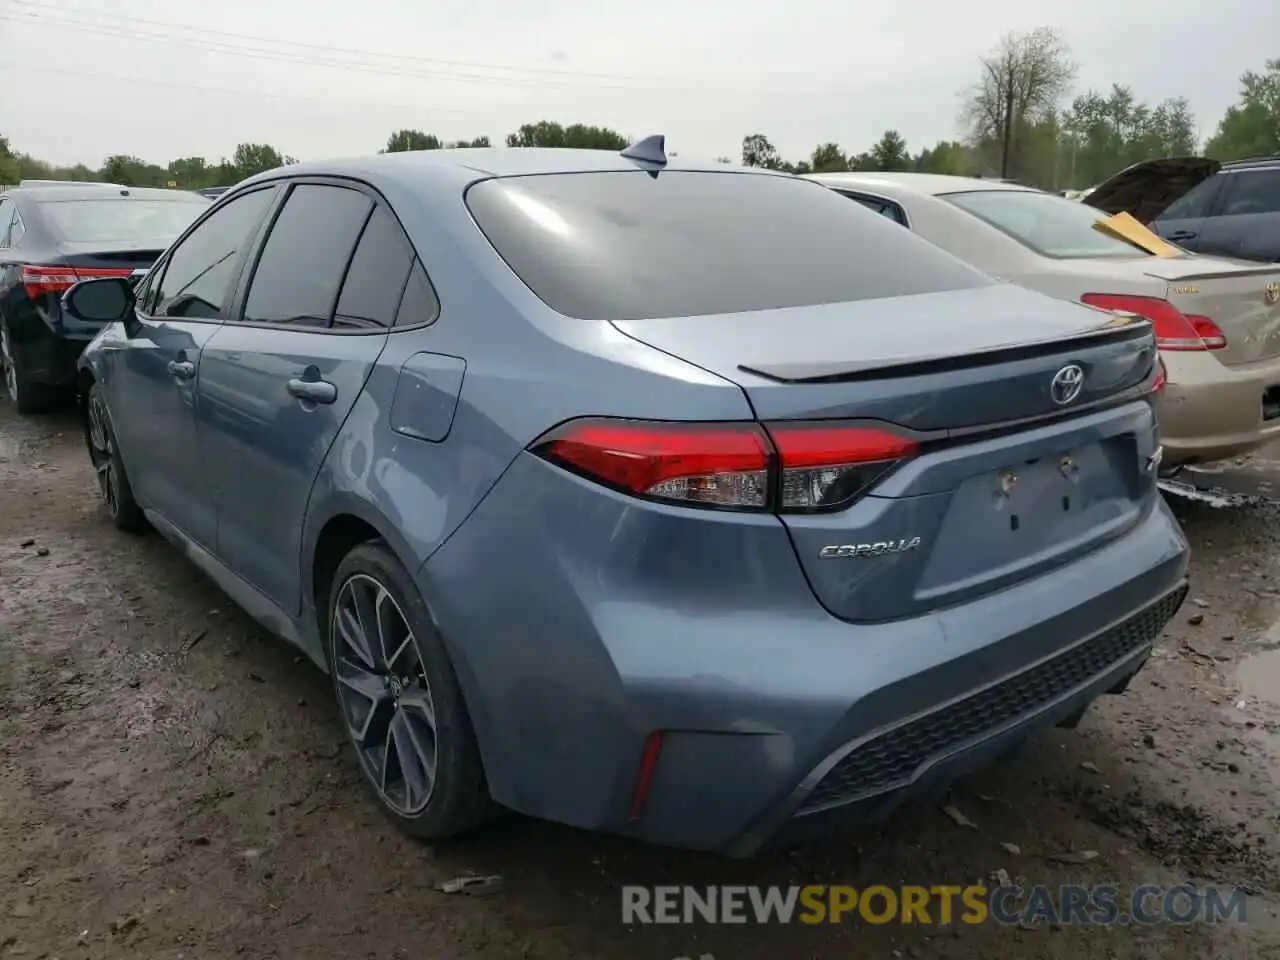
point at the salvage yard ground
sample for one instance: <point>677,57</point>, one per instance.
<point>173,783</point>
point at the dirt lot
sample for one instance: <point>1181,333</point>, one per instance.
<point>173,783</point>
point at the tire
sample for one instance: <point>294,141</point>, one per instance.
<point>104,453</point>
<point>373,699</point>
<point>27,397</point>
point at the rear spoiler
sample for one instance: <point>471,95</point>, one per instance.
<point>1120,329</point>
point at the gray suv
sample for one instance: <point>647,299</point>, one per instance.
<point>1227,209</point>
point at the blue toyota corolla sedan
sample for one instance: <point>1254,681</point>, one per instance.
<point>675,500</point>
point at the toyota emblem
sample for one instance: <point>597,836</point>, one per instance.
<point>1066,384</point>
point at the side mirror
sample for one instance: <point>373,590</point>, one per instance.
<point>107,300</point>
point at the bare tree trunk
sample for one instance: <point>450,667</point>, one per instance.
<point>1007,146</point>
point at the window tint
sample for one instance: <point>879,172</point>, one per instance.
<point>1049,225</point>
<point>1194,203</point>
<point>419,303</point>
<point>204,266</point>
<point>305,256</point>
<point>616,246</point>
<point>886,208</point>
<point>1256,191</point>
<point>152,222</point>
<point>375,280</point>
<point>6,218</point>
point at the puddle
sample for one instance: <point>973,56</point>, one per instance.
<point>1259,677</point>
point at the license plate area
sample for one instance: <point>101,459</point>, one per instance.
<point>1029,516</point>
<point>1271,404</point>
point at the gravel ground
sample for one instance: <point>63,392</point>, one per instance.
<point>174,783</point>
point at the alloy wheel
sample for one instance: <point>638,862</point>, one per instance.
<point>384,695</point>
<point>102,452</point>
<point>6,361</point>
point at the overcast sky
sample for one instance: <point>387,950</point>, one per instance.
<point>159,79</point>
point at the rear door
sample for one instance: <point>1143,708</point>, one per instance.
<point>1247,223</point>
<point>279,380</point>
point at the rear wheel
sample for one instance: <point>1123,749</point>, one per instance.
<point>27,397</point>
<point>400,700</point>
<point>113,482</point>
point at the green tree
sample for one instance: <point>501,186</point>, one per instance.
<point>191,173</point>
<point>946,156</point>
<point>1104,134</point>
<point>579,136</point>
<point>132,172</point>
<point>403,141</point>
<point>890,152</point>
<point>477,142</point>
<point>1252,127</point>
<point>10,173</point>
<point>828,158</point>
<point>757,151</point>
<point>254,158</point>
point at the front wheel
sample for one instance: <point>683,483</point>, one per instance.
<point>104,453</point>
<point>400,699</point>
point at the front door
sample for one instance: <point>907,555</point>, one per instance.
<point>154,371</point>
<point>278,381</point>
<point>1248,222</point>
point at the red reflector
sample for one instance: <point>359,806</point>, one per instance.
<point>717,464</point>
<point>1162,376</point>
<point>57,279</point>
<point>1174,329</point>
<point>644,775</point>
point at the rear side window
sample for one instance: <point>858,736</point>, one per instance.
<point>303,261</point>
<point>1194,203</point>
<point>6,221</point>
<point>203,267</point>
<point>125,219</point>
<point>628,245</point>
<point>371,292</point>
<point>886,208</point>
<point>1254,191</point>
<point>419,304</point>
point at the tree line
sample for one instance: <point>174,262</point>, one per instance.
<point>1021,119</point>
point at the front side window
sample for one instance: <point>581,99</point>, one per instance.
<point>305,256</point>
<point>627,245</point>
<point>1253,191</point>
<point>203,268</point>
<point>1049,225</point>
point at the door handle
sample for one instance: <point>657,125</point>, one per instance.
<point>316,391</point>
<point>182,369</point>
<point>1182,235</point>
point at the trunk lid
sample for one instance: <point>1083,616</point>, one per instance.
<point>1007,483</point>
<point>108,256</point>
<point>1242,298</point>
<point>1145,190</point>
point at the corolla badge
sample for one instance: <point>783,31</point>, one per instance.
<point>847,550</point>
<point>1271,293</point>
<point>1066,384</point>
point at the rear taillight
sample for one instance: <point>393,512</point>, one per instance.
<point>791,467</point>
<point>1174,329</point>
<point>57,279</point>
<point>1162,377</point>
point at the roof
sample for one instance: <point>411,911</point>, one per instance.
<point>929,184</point>
<point>105,192</point>
<point>476,163</point>
<point>1254,162</point>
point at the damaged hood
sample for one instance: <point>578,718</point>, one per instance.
<point>1145,190</point>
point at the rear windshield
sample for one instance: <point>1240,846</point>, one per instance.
<point>1053,226</point>
<point>628,245</point>
<point>123,218</point>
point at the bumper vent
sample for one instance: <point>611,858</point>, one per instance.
<point>891,759</point>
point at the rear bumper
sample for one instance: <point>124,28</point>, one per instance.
<point>49,349</point>
<point>1210,411</point>
<point>580,623</point>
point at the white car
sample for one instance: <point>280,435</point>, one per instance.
<point>1217,321</point>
